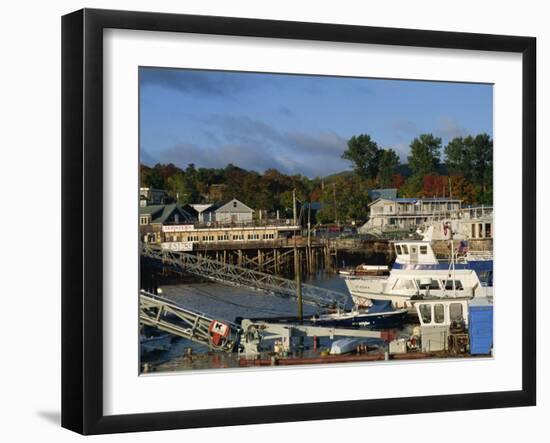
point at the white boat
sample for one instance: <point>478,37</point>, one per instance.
<point>404,287</point>
<point>419,255</point>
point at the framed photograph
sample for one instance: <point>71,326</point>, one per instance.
<point>269,221</point>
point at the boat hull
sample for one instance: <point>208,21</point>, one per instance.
<point>379,320</point>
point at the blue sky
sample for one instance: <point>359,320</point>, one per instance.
<point>295,123</point>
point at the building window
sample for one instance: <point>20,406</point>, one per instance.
<point>487,230</point>
<point>143,220</point>
<point>423,250</point>
<point>398,249</point>
<point>405,250</point>
<point>234,204</point>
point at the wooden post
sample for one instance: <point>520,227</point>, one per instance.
<point>294,208</point>
<point>298,275</point>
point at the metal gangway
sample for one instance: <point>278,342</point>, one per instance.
<point>238,276</point>
<point>163,314</point>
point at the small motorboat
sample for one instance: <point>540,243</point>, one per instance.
<point>343,346</point>
<point>371,270</point>
<point>380,315</point>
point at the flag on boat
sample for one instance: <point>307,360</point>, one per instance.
<point>463,247</point>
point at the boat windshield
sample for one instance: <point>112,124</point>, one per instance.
<point>426,313</point>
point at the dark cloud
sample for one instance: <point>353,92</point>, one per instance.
<point>195,82</point>
<point>255,145</point>
<point>146,158</point>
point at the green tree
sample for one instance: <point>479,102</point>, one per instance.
<point>190,192</point>
<point>412,186</point>
<point>345,200</point>
<point>424,156</point>
<point>458,155</point>
<point>472,158</point>
<point>364,153</point>
<point>175,185</point>
<point>388,161</point>
<point>482,161</point>
<point>151,177</point>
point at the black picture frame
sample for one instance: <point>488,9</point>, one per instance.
<point>82,259</point>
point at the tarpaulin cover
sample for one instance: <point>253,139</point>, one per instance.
<point>381,306</point>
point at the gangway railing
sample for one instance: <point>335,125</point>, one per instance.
<point>161,313</point>
<point>238,276</point>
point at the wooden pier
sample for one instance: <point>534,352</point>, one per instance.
<point>277,256</point>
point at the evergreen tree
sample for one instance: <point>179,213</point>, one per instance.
<point>424,156</point>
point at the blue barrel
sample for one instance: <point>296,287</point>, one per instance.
<point>480,313</point>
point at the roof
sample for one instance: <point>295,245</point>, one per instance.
<point>159,213</point>
<point>146,188</point>
<point>219,206</point>
<point>383,193</point>
<point>200,207</point>
<point>150,209</point>
<point>418,199</point>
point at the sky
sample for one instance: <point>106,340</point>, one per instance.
<point>298,124</point>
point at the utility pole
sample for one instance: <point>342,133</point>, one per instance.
<point>309,254</point>
<point>334,202</point>
<point>298,273</point>
<point>294,206</point>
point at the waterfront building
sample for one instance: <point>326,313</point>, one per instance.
<point>153,218</point>
<point>400,214</point>
<point>232,211</point>
<point>152,196</point>
<point>179,227</point>
<point>201,209</point>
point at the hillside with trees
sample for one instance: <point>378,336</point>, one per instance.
<point>462,169</point>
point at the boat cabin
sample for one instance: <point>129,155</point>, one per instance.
<point>433,283</point>
<point>442,323</point>
<point>414,252</point>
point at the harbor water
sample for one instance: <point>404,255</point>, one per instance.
<point>229,303</point>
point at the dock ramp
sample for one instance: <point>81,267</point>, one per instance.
<point>238,276</point>
<point>161,313</point>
